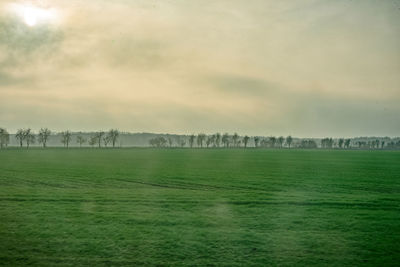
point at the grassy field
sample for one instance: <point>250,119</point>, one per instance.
<point>199,207</point>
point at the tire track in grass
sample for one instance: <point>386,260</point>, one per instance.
<point>344,205</point>
<point>195,186</point>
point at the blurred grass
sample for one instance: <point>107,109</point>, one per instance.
<point>63,207</point>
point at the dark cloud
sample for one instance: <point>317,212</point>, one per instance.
<point>135,52</point>
<point>240,85</point>
<point>23,44</point>
<point>7,79</point>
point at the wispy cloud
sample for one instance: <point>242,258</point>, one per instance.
<point>265,67</point>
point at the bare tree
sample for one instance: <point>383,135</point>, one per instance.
<point>272,141</point>
<point>308,144</point>
<point>4,138</point>
<point>80,140</point>
<point>20,135</point>
<point>281,139</point>
<point>106,140</point>
<point>347,143</point>
<point>377,143</point>
<point>209,140</point>
<point>217,139</point>
<point>235,138</point>
<point>158,142</point>
<point>93,140</point>
<point>66,138</point>
<point>225,140</point>
<point>212,140</point>
<point>191,140</point>
<point>200,139</point>
<point>341,142</point>
<point>246,140</point>
<point>327,142</point>
<point>113,136</point>
<point>99,137</point>
<point>43,136</point>
<point>182,142</point>
<point>264,142</point>
<point>256,141</point>
<point>170,142</point>
<point>289,141</point>
<point>29,137</point>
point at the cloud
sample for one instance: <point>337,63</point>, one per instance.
<point>265,67</point>
<point>9,80</point>
<point>21,46</point>
<point>16,35</point>
<point>240,85</point>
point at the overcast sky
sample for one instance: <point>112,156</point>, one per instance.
<point>305,68</point>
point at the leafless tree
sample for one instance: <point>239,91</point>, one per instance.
<point>272,141</point>
<point>246,140</point>
<point>200,139</point>
<point>66,138</point>
<point>182,142</point>
<point>80,140</point>
<point>347,143</point>
<point>281,139</point>
<point>158,142</point>
<point>106,140</point>
<point>225,139</point>
<point>93,140</point>
<point>99,137</point>
<point>113,136</point>
<point>217,139</point>
<point>43,136</point>
<point>327,142</point>
<point>209,140</point>
<point>170,141</point>
<point>212,140</point>
<point>29,137</point>
<point>289,141</point>
<point>256,141</point>
<point>235,139</point>
<point>341,142</point>
<point>20,135</point>
<point>191,140</point>
<point>4,138</point>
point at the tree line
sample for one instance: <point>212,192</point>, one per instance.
<point>219,140</point>
<point>27,137</point>
<point>235,141</point>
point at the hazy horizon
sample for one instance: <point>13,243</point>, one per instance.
<point>304,68</point>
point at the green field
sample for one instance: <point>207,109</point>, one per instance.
<point>199,207</point>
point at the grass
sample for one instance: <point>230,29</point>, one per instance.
<point>97,207</point>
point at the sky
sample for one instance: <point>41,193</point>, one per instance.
<point>305,68</point>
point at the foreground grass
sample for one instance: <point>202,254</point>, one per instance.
<point>199,207</point>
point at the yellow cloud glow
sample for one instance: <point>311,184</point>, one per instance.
<point>32,15</point>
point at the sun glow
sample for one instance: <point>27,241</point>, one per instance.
<point>32,15</point>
